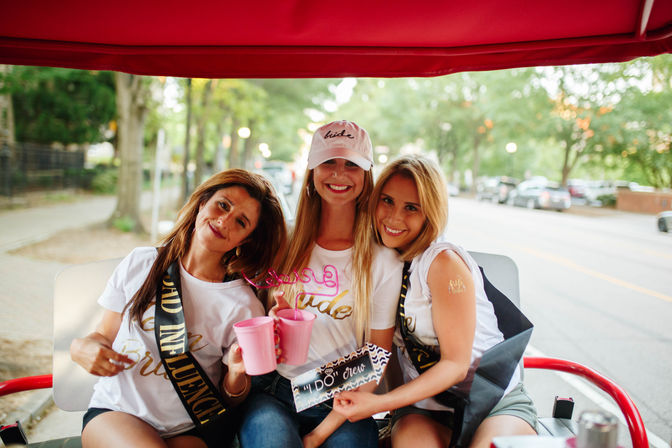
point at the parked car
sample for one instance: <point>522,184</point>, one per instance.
<point>549,196</point>
<point>664,221</point>
<point>283,176</point>
<point>495,189</point>
<point>453,190</point>
<point>577,188</point>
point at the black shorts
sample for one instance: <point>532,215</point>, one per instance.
<point>92,413</point>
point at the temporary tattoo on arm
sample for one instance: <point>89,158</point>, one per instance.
<point>456,286</point>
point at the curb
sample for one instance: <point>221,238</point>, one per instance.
<point>33,409</point>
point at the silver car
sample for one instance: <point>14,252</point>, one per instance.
<point>548,196</point>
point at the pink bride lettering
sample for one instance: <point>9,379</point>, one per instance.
<point>305,276</point>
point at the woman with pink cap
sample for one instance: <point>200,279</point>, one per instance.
<point>331,230</point>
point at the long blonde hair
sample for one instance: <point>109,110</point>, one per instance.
<point>432,194</point>
<point>304,237</point>
<point>256,255</point>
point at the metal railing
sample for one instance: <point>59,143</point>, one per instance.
<point>32,167</point>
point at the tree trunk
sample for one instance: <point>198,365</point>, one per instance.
<point>233,150</point>
<point>186,190</point>
<point>200,133</point>
<point>218,158</point>
<point>7,132</point>
<point>453,164</point>
<point>132,111</point>
<point>248,144</point>
<point>476,163</point>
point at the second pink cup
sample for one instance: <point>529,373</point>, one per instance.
<point>255,337</point>
<point>294,329</point>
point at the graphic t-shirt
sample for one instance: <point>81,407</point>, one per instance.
<point>210,310</point>
<point>333,303</point>
<point>418,312</point>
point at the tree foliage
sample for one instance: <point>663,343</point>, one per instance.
<point>61,105</point>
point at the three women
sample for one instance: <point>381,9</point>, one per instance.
<point>445,306</point>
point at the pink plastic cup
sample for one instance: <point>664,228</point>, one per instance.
<point>294,335</point>
<point>255,337</point>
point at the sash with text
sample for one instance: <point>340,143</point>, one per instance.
<point>199,396</point>
<point>495,368</point>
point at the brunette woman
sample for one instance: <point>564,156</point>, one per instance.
<point>232,223</point>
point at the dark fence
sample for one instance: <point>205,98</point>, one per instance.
<point>31,167</point>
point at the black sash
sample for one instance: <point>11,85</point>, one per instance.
<point>495,368</point>
<point>199,396</point>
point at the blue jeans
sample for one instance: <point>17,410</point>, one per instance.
<point>269,419</point>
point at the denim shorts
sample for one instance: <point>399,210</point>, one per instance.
<point>517,403</point>
<point>269,419</point>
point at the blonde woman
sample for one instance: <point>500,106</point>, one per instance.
<point>232,223</point>
<point>332,239</point>
<point>446,320</point>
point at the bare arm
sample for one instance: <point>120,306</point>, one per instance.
<point>454,319</point>
<point>235,382</point>
<point>94,352</point>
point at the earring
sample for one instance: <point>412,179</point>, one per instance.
<point>308,190</point>
<point>237,251</point>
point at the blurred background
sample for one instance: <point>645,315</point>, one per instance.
<point>95,163</point>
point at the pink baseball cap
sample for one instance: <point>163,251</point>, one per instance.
<point>341,140</point>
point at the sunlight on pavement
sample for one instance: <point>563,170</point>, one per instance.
<point>617,281</point>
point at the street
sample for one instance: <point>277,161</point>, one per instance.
<point>596,285</point>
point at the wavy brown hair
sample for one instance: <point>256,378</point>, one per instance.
<point>432,194</point>
<point>257,254</point>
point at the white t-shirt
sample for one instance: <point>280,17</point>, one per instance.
<point>210,310</point>
<point>418,311</point>
<point>333,332</point>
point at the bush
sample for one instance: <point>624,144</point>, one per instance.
<point>607,200</point>
<point>125,224</point>
<point>105,181</point>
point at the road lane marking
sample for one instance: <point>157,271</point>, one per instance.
<point>617,281</point>
<point>572,265</point>
<point>655,253</point>
<point>589,392</point>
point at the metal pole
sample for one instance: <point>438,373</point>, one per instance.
<point>157,184</point>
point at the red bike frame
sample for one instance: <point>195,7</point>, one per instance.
<point>628,408</point>
<point>625,403</point>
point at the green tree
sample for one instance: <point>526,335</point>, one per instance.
<point>285,115</point>
<point>61,105</point>
<point>643,136</point>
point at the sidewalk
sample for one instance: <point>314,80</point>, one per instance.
<point>26,301</point>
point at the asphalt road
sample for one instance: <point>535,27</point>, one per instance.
<point>598,287</point>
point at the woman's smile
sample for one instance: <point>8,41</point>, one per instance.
<point>226,219</point>
<point>336,188</point>
<point>338,180</point>
<point>215,231</point>
<point>392,231</point>
<point>399,216</point>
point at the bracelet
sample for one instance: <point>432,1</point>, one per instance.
<point>239,394</point>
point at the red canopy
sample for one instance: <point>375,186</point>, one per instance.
<point>307,38</point>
